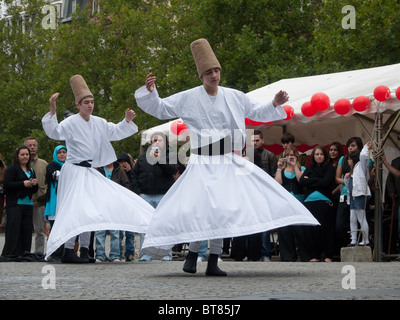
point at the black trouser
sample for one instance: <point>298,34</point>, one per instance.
<point>247,246</point>
<point>287,243</point>
<point>343,224</point>
<point>60,250</point>
<point>313,241</point>
<point>18,232</point>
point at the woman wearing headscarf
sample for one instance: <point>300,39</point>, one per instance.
<point>52,174</point>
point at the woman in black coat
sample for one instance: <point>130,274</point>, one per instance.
<point>319,179</point>
<point>19,183</point>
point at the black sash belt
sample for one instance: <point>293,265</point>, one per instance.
<point>85,164</point>
<point>220,147</point>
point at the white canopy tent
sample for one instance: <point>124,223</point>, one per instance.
<point>328,126</point>
<point>349,85</point>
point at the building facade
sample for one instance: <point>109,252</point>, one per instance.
<point>64,8</point>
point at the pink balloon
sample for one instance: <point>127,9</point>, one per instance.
<point>308,110</point>
<point>382,93</point>
<point>342,106</point>
<point>320,101</point>
<point>361,103</point>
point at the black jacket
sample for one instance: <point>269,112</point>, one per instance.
<point>50,179</point>
<point>14,185</point>
<point>150,178</point>
<point>320,178</point>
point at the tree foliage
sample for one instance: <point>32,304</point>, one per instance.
<point>257,42</point>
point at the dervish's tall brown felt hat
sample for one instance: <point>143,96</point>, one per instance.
<point>204,56</point>
<point>79,88</point>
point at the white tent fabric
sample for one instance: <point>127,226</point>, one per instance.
<point>349,85</point>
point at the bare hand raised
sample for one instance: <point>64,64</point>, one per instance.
<point>150,81</point>
<point>280,98</point>
<point>130,115</point>
<point>52,100</point>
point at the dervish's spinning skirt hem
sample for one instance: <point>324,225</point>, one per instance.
<point>221,196</point>
<point>100,204</point>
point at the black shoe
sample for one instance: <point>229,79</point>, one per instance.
<point>70,257</point>
<point>212,267</point>
<point>190,262</point>
<point>85,255</point>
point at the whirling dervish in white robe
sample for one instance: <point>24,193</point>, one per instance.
<point>86,200</point>
<point>219,195</point>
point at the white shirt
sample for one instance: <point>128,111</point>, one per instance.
<point>208,121</point>
<point>88,140</point>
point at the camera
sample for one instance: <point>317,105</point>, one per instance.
<point>56,175</point>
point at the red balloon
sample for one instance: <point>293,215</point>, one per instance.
<point>320,101</point>
<point>398,93</point>
<point>308,110</point>
<point>361,103</point>
<point>178,126</point>
<point>289,112</point>
<point>342,106</point>
<point>382,93</point>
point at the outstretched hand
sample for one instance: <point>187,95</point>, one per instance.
<point>130,115</point>
<point>280,98</point>
<point>52,100</point>
<point>150,81</point>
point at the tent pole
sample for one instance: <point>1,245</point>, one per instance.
<point>377,255</point>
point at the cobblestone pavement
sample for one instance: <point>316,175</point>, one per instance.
<point>159,280</point>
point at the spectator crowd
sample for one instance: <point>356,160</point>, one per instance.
<point>334,182</point>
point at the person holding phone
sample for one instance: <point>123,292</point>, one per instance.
<point>152,176</point>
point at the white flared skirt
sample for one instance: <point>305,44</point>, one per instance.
<point>88,201</point>
<point>221,196</point>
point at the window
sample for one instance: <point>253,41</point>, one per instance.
<point>69,7</point>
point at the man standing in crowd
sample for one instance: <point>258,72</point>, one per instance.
<point>258,245</point>
<point>126,162</point>
<point>268,159</point>
<point>39,198</point>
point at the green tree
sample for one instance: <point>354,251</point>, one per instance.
<point>22,78</point>
<point>375,41</point>
<point>257,42</point>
